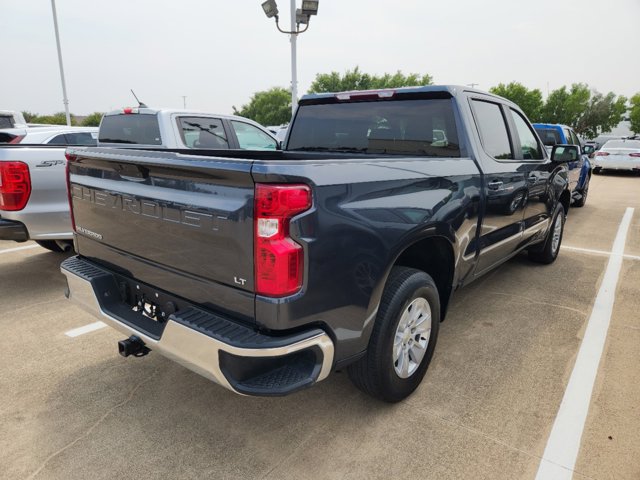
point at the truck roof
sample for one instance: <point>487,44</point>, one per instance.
<point>550,125</point>
<point>170,111</point>
<point>452,90</point>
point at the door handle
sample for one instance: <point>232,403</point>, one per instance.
<point>495,185</point>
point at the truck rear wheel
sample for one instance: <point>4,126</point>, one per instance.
<point>403,338</point>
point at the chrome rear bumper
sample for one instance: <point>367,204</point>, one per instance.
<point>232,355</point>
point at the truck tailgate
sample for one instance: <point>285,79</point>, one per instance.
<point>180,223</point>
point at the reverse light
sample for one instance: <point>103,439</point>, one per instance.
<point>279,260</point>
<point>15,185</point>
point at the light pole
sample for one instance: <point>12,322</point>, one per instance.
<point>299,16</point>
<point>65,100</point>
<point>184,102</point>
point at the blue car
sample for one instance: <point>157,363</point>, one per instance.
<point>579,171</point>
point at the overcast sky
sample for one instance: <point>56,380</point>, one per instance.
<point>218,53</point>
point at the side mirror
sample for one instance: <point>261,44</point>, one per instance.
<point>588,149</point>
<point>565,153</point>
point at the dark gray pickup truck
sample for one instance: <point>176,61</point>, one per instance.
<point>265,271</point>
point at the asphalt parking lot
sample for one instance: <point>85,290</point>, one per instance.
<point>70,407</point>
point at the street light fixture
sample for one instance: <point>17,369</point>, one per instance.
<point>310,7</point>
<point>270,8</point>
<point>299,16</point>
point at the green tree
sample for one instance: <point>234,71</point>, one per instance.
<point>589,112</point>
<point>357,80</point>
<point>92,120</point>
<point>634,113</point>
<point>58,118</point>
<point>602,114</point>
<point>566,106</point>
<point>29,116</point>
<point>530,101</point>
<point>269,107</point>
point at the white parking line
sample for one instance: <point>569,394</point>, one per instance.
<point>17,249</point>
<point>92,327</point>
<point>598,252</point>
<point>563,445</point>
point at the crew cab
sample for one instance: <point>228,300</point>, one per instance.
<point>33,190</point>
<point>265,271</point>
<point>579,171</point>
<point>168,128</point>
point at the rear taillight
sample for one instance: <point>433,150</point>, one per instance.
<point>634,155</point>
<point>279,261</point>
<point>602,154</point>
<point>68,175</point>
<point>16,139</point>
<point>15,185</point>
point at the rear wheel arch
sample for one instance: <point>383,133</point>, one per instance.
<point>435,256</point>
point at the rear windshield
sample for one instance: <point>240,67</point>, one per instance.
<point>6,122</point>
<point>135,128</point>
<point>400,127</point>
<point>622,144</point>
<point>549,136</point>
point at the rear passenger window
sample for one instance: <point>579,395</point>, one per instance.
<point>81,138</point>
<point>531,149</point>
<point>493,130</point>
<point>252,138</point>
<point>203,132</point>
<point>58,140</point>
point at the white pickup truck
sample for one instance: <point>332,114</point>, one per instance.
<point>33,190</point>
<point>167,128</point>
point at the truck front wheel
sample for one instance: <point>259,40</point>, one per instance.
<point>403,338</point>
<point>548,251</point>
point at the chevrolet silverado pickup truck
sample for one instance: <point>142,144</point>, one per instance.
<point>265,271</point>
<point>33,191</point>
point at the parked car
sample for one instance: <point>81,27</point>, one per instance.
<point>33,190</point>
<point>11,119</point>
<point>167,128</point>
<point>579,171</point>
<point>50,135</point>
<point>621,154</point>
<point>265,271</point>
<point>279,131</point>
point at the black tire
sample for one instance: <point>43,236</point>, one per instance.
<point>583,194</point>
<point>56,246</point>
<point>548,251</point>
<point>375,373</point>
<point>597,170</point>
